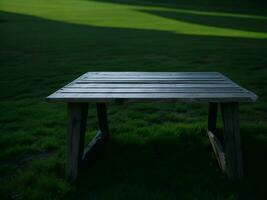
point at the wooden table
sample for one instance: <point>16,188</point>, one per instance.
<point>103,87</point>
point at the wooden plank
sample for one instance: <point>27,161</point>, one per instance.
<point>151,90</point>
<point>215,142</point>
<point>218,150</point>
<point>101,136</point>
<point>155,77</point>
<point>153,95</point>
<point>169,97</point>
<point>133,85</point>
<point>230,114</point>
<point>77,116</point>
<point>119,73</point>
<point>153,81</point>
<point>153,74</point>
<point>140,78</point>
<point>91,148</point>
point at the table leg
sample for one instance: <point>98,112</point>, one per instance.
<point>102,119</point>
<point>101,136</point>
<point>230,114</point>
<point>215,142</point>
<point>77,117</point>
<point>212,118</point>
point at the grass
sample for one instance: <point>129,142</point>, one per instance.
<point>157,151</point>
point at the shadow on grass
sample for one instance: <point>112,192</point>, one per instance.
<point>175,165</point>
<point>158,167</point>
<point>40,55</point>
<point>257,25</point>
<point>257,7</point>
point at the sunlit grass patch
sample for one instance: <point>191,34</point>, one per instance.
<point>95,13</point>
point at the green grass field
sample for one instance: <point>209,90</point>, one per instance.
<point>157,151</point>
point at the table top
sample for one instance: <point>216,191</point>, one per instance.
<point>151,86</point>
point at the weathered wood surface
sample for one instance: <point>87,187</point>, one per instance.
<point>215,142</point>
<point>218,150</point>
<point>77,116</point>
<point>230,114</point>
<point>152,86</point>
<point>90,149</point>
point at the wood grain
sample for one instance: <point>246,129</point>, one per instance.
<point>152,86</point>
<point>77,115</point>
<point>230,114</point>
